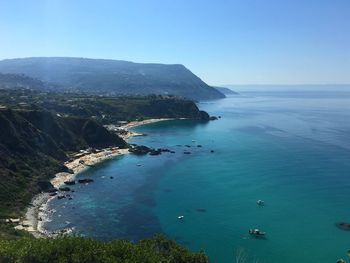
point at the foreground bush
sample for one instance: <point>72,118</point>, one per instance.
<point>79,250</point>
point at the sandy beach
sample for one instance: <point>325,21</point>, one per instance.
<point>134,124</point>
<point>38,211</point>
<point>124,130</point>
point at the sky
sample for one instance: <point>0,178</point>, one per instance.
<point>221,41</point>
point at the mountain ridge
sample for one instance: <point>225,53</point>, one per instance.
<point>115,77</point>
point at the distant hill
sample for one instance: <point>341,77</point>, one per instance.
<point>226,91</point>
<point>113,77</point>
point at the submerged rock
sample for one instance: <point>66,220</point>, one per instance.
<point>155,152</point>
<point>83,181</point>
<point>69,182</point>
<point>165,150</point>
<point>64,189</point>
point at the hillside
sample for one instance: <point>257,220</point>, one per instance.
<point>33,146</point>
<point>15,81</point>
<point>104,109</point>
<point>113,77</point>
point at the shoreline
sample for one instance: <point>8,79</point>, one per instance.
<point>33,220</point>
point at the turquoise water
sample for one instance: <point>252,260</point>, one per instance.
<point>290,149</point>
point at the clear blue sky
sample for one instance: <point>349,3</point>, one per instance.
<point>223,42</point>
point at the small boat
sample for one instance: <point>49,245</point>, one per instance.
<point>257,233</point>
<point>138,164</point>
<point>260,202</point>
<point>343,226</point>
<point>180,217</point>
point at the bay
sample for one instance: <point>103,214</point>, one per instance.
<point>288,148</point>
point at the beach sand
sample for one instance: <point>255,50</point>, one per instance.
<point>37,212</point>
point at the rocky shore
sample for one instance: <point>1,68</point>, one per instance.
<point>37,213</point>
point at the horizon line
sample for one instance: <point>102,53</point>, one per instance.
<point>281,84</point>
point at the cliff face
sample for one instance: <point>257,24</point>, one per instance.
<point>171,108</point>
<point>33,146</point>
<point>114,77</point>
<point>72,133</point>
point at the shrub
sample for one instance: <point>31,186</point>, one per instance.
<point>87,250</point>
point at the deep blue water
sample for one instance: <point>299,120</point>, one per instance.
<point>291,149</point>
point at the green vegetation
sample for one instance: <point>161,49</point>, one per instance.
<point>86,250</point>
<point>112,77</point>
<point>104,109</point>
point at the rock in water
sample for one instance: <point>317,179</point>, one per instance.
<point>84,181</point>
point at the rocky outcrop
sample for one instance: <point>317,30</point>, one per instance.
<point>46,186</point>
<point>85,181</point>
<point>139,149</point>
<point>143,150</point>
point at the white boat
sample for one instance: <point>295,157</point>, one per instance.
<point>180,217</point>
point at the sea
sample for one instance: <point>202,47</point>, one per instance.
<point>288,146</point>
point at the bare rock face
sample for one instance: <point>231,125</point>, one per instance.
<point>69,182</point>
<point>46,186</point>
<point>64,189</point>
<point>140,149</point>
